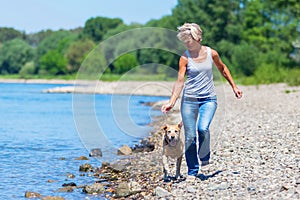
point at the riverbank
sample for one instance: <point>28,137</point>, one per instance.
<point>149,88</point>
<point>255,153</point>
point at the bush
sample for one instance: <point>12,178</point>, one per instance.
<point>293,77</point>
<point>124,63</point>
<point>13,55</point>
<point>268,73</point>
<point>27,69</point>
<point>53,63</point>
<point>245,59</point>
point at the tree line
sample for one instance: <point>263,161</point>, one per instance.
<point>258,39</point>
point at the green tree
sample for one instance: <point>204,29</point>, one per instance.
<point>218,19</point>
<point>56,45</point>
<point>59,40</point>
<point>34,39</point>
<point>9,34</point>
<point>53,62</point>
<point>96,28</point>
<point>13,55</point>
<point>272,26</point>
<point>77,53</point>
<point>165,22</point>
<point>93,65</point>
<point>27,70</point>
<point>119,29</point>
<point>245,59</point>
<point>125,63</point>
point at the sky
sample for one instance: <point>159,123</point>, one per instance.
<point>33,16</point>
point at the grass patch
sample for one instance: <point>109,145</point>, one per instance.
<point>290,91</point>
<point>270,74</point>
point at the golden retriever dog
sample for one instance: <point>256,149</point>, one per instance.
<point>173,147</point>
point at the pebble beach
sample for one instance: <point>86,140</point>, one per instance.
<point>257,155</point>
<point>255,150</point>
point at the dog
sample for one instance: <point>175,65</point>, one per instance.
<point>173,147</point>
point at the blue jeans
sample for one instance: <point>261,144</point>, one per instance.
<point>197,114</point>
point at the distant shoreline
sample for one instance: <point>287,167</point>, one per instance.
<point>148,88</point>
<point>40,81</point>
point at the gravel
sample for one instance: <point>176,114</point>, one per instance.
<point>255,147</point>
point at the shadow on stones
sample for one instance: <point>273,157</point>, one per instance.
<point>173,179</point>
<point>204,177</point>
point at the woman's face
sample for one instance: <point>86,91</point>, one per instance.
<point>191,44</point>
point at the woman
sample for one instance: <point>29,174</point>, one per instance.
<point>199,101</point>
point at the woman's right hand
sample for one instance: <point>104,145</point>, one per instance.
<point>167,107</point>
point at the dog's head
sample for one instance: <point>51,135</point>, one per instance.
<point>172,134</point>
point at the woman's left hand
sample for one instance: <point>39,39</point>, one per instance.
<point>238,93</point>
<point>167,107</point>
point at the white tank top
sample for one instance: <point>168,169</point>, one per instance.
<point>199,82</point>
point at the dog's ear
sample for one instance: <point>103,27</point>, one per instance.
<point>164,127</point>
<point>179,125</point>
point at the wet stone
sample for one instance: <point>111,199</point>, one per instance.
<point>81,158</point>
<point>97,152</point>
<point>96,188</point>
<point>30,194</point>
<point>161,192</point>
<point>86,168</point>
<point>66,189</point>
<point>124,150</point>
<point>69,184</point>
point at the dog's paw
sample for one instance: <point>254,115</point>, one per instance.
<point>179,178</point>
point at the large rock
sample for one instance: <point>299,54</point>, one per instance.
<point>81,158</point>
<point>96,188</point>
<point>95,153</point>
<point>117,167</point>
<point>134,187</point>
<point>30,194</point>
<point>125,189</point>
<point>86,168</point>
<point>124,150</point>
<point>161,193</point>
<point>71,184</point>
<point>65,189</point>
<point>144,146</point>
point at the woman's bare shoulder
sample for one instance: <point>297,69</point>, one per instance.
<point>184,56</point>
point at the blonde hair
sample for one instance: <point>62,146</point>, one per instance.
<point>189,31</point>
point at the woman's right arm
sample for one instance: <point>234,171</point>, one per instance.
<point>178,86</point>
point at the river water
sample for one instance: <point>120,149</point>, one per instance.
<point>39,138</point>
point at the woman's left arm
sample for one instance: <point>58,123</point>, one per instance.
<point>226,73</point>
